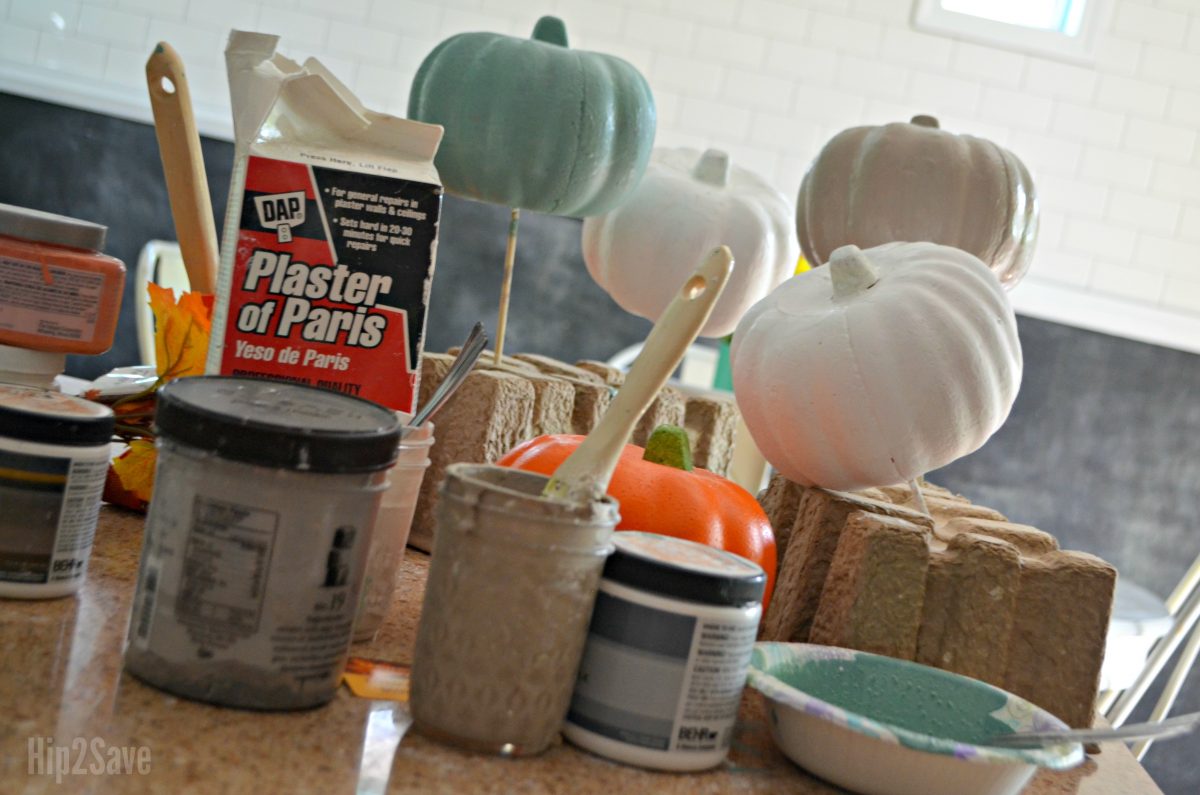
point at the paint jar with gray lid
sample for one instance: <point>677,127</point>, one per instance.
<point>667,651</point>
<point>264,501</point>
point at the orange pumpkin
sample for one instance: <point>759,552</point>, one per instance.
<point>658,498</point>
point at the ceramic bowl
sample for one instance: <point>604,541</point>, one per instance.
<point>880,726</point>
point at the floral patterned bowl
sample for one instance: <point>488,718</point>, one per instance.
<point>880,726</point>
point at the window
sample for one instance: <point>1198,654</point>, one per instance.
<point>1065,29</point>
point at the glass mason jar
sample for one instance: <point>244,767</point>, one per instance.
<point>510,592</point>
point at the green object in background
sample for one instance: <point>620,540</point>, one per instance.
<point>535,125</point>
<point>723,379</point>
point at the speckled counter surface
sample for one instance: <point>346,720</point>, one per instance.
<point>60,677</point>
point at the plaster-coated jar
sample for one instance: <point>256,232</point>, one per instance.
<point>510,589</point>
<point>54,452</point>
<point>667,651</point>
<point>264,500</point>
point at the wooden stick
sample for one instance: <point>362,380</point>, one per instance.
<point>510,255</point>
<point>918,499</point>
<point>183,165</point>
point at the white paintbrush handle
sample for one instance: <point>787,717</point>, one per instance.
<point>589,469</point>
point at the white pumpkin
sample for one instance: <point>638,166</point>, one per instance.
<point>887,364</point>
<point>687,204</point>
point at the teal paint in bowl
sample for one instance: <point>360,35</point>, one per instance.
<point>882,726</point>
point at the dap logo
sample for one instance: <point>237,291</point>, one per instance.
<point>281,211</point>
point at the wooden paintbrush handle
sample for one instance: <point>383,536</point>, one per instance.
<point>183,165</point>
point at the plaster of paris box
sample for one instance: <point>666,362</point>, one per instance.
<point>330,236</point>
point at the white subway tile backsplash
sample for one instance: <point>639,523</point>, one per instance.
<point>298,30</point>
<point>941,94</point>
<point>471,20</point>
<point>353,10</point>
<point>641,57</point>
<point>844,33</point>
<point>1146,213</point>
<point>787,134</point>
<point>196,46</point>
<point>987,64</point>
<point>760,160</point>
<point>1057,79</point>
<point>1172,67</point>
<point>1168,254</point>
<point>1080,198</point>
<point>59,16</point>
<point>871,78</point>
<point>1176,181</point>
<point>714,119</point>
<point>725,46</point>
<point>756,90</point>
<point>1043,153</point>
<point>70,55</point>
<point>1189,224</point>
<point>127,68</point>
<point>687,75</point>
<point>364,42</point>
<point>887,11</point>
<point>424,19</point>
<point>160,9</point>
<point>912,48</point>
<point>1143,22</point>
<point>120,28</point>
<point>659,32</point>
<point>831,106</point>
<point>716,11</point>
<point>1168,141</point>
<point>784,19</point>
<point>1184,107</point>
<point>1181,292</point>
<point>666,106</point>
<point>1119,56</point>
<point>1131,95</point>
<point>1112,166</point>
<point>1016,107</point>
<point>802,63</point>
<point>1061,267</point>
<point>1127,281</point>
<point>1087,124</point>
<point>884,111</point>
<point>18,44</point>
<point>223,15</point>
<point>1099,239</point>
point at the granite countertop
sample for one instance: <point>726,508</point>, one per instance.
<point>61,677</point>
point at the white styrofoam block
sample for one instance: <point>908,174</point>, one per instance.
<point>713,118</point>
<point>686,75</point>
<point>1081,198</point>
<point>781,19</point>
<point>754,89</point>
<point>844,33</point>
<point>1043,153</point>
<point>121,28</point>
<point>1168,141</point>
<point>801,62</point>
<point>1147,213</point>
<point>1127,281</point>
<point>1176,181</point>
<point>296,29</point>
<point>942,94</point>
<point>1131,95</point>
<point>1100,239</point>
<point>1016,107</point>
<point>59,17</point>
<point>1058,79</point>
<point>353,10</point>
<point>835,108</point>
<point>19,44</point>
<point>1124,169</point>
<point>425,19</point>
<point>718,11</point>
<point>1172,67</point>
<point>871,78</point>
<point>731,47</point>
<point>909,47</point>
<point>70,55</point>
<point>1184,107</point>
<point>660,32</point>
<point>988,64</point>
<point>1087,124</point>
<point>1181,292</point>
<point>1143,22</point>
<point>1168,254</point>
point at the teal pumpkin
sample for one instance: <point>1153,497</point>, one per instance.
<point>533,124</point>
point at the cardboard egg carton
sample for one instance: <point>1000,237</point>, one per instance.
<point>962,589</point>
<point>524,396</point>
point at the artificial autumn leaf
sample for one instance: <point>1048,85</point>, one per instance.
<point>181,331</point>
<point>135,468</point>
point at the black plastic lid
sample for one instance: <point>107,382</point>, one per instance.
<point>684,569</point>
<point>38,415</point>
<point>278,424</point>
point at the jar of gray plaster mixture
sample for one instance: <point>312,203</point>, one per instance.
<point>264,501</point>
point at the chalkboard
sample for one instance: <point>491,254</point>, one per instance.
<point>1102,448</point>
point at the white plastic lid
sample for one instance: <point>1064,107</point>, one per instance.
<point>23,361</point>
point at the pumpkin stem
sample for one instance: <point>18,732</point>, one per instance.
<point>925,121</point>
<point>850,271</point>
<point>713,168</point>
<point>551,30</point>
<point>668,445</point>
